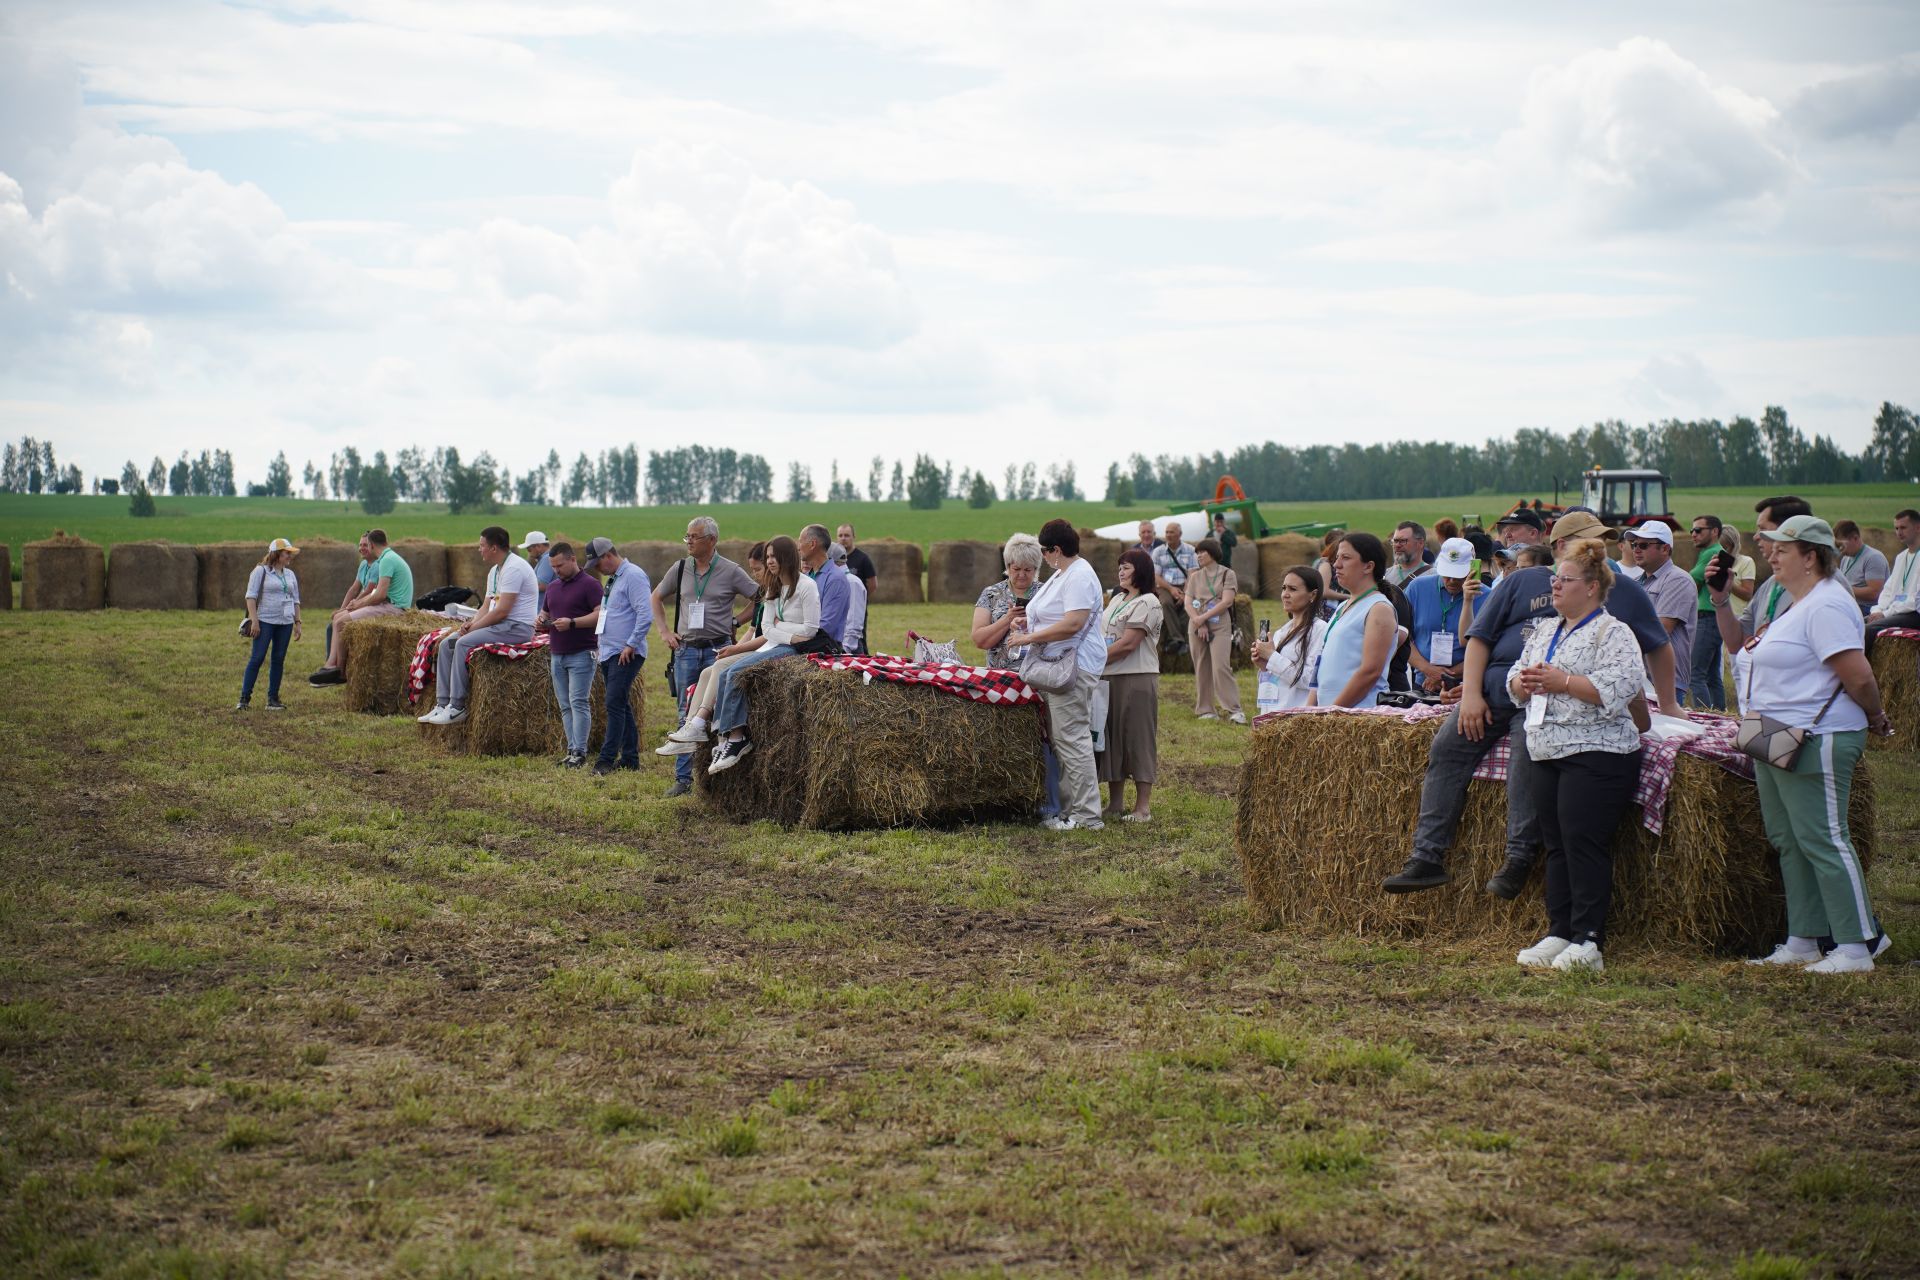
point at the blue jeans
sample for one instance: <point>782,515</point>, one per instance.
<point>1051,805</point>
<point>1709,693</point>
<point>276,634</point>
<point>730,705</point>
<point>573,691</point>
<point>622,743</point>
<point>688,663</point>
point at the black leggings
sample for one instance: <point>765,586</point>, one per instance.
<point>1581,799</point>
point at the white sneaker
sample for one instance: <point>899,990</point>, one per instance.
<point>1238,717</point>
<point>455,715</point>
<point>1054,822</point>
<point>1581,955</point>
<point>676,747</point>
<point>1785,955</point>
<point>1205,715</point>
<point>1542,953</point>
<point>691,731</point>
<point>432,717</point>
<point>1837,963</point>
<point>1882,945</point>
<point>1091,824</point>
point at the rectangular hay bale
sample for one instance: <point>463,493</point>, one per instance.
<point>1280,553</point>
<point>957,572</point>
<point>833,752</point>
<point>378,656</point>
<point>1326,810</point>
<point>63,572</point>
<point>1896,668</point>
<point>511,711</point>
<point>153,575</point>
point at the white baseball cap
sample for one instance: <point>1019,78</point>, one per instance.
<point>1455,558</point>
<point>534,539</point>
<point>1652,531</point>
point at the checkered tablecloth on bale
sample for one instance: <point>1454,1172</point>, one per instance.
<point>1901,633</point>
<point>990,685</point>
<point>424,656</point>
<point>1658,757</point>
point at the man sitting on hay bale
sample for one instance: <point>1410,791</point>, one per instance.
<point>507,617</point>
<point>1899,603</point>
<point>621,623</point>
<point>1487,711</point>
<point>829,577</point>
<point>704,587</point>
<point>381,588</point>
<point>854,638</point>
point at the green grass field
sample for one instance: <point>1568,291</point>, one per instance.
<point>105,520</point>
<point>289,995</point>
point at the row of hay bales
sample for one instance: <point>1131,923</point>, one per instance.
<point>64,572</point>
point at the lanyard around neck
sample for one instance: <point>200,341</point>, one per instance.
<point>1344,610</point>
<point>1562,632</point>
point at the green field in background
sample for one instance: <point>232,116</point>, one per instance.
<point>26,518</point>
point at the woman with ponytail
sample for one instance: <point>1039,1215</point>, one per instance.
<point>1363,633</point>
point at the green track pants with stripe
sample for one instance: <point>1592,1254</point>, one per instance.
<point>1806,818</point>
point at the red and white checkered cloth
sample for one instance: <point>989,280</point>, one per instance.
<point>1658,757</point>
<point>990,685</point>
<point>1901,633</point>
<point>424,656</point>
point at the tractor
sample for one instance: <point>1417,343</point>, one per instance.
<point>1619,497</point>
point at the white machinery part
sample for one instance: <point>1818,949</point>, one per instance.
<point>1193,527</point>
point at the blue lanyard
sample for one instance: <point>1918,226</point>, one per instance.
<point>1553,645</point>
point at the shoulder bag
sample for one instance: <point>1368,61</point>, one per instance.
<point>1768,740</point>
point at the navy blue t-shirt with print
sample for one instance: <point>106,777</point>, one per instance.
<point>1528,593</point>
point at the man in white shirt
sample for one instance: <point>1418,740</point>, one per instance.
<point>1899,602</point>
<point>854,639</point>
<point>507,617</point>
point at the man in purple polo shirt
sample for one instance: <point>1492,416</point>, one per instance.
<point>569,609</point>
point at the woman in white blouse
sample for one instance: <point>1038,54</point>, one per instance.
<point>1294,655</point>
<point>1578,678</point>
<point>792,617</point>
<point>1132,622</point>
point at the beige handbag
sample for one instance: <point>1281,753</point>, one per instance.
<point>1768,740</point>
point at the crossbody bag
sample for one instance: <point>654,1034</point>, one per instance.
<point>1768,740</point>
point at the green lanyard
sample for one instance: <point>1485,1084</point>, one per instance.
<point>1119,607</point>
<point>700,583</point>
<point>280,576</point>
<point>1446,608</point>
<point>1342,612</point>
<point>1847,562</point>
<point>1906,575</point>
<point>1773,600</point>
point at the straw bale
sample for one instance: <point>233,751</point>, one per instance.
<point>63,572</point>
<point>511,710</point>
<point>427,559</point>
<point>1104,555</point>
<point>897,567</point>
<point>735,549</point>
<point>153,575</point>
<point>1315,842</point>
<point>6,577</point>
<point>834,753</point>
<point>1885,541</point>
<point>466,569</point>
<point>378,654</point>
<point>1176,661</point>
<point>1896,667</point>
<point>655,557</point>
<point>1246,565</point>
<point>1279,554</point>
<point>957,572</point>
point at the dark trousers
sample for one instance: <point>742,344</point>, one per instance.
<point>622,743</point>
<point>688,663</point>
<point>1908,619</point>
<point>1709,691</point>
<point>1581,800</point>
<point>1451,761</point>
<point>276,634</point>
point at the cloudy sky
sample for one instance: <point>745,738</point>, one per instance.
<point>993,231</point>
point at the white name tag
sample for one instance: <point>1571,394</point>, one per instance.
<point>1442,648</point>
<point>600,624</point>
<point>696,616</point>
<point>1536,710</point>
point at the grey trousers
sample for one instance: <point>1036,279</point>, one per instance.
<point>450,670</point>
<point>1450,765</point>
<point>1069,713</point>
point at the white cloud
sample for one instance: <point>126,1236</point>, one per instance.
<point>1677,383</point>
<point>1875,103</point>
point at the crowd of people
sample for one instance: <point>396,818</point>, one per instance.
<point>1534,634</point>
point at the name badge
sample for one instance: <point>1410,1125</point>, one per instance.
<point>1441,646</point>
<point>1536,710</point>
<point>1900,605</point>
<point>1313,672</point>
<point>601,624</point>
<point>696,616</point>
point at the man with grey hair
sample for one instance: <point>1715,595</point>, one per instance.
<point>856,641</point>
<point>829,577</point>
<point>703,587</point>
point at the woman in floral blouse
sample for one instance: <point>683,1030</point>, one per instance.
<point>1578,679</point>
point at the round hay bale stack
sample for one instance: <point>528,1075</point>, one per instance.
<point>6,577</point>
<point>427,559</point>
<point>378,656</point>
<point>511,710</point>
<point>957,572</point>
<point>466,569</point>
<point>1279,554</point>
<point>153,575</point>
<point>1104,555</point>
<point>897,567</point>
<point>1177,660</point>
<point>63,572</point>
<point>655,557</point>
<point>1708,882</point>
<point>834,753</point>
<point>1896,667</point>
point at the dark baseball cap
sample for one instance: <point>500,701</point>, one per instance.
<point>1526,516</point>
<point>597,548</point>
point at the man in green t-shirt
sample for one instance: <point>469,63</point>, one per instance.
<point>383,585</point>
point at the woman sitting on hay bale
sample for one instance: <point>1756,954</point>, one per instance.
<point>1065,614</point>
<point>1578,679</point>
<point>273,618</point>
<point>1809,672</point>
<point>792,620</point>
<point>1363,632</point>
<point>1132,626</point>
<point>1292,659</point>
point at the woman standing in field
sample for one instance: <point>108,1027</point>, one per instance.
<point>1064,617</point>
<point>1211,589</point>
<point>1132,622</point>
<point>1295,655</point>
<point>273,619</point>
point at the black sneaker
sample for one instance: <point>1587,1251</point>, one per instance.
<point>564,762</point>
<point>574,761</point>
<point>240,705</point>
<point>1418,874</point>
<point>326,676</point>
<point>274,704</point>
<point>678,789</point>
<point>1510,879</point>
<point>601,768</point>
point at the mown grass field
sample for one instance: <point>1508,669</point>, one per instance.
<point>104,520</point>
<point>290,995</point>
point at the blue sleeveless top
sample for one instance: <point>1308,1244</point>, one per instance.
<point>1341,650</point>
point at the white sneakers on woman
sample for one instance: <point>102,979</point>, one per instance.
<point>443,715</point>
<point>1558,953</point>
<point>1581,955</point>
<point>1542,953</point>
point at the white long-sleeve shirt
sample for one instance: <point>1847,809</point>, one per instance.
<point>1901,592</point>
<point>793,618</point>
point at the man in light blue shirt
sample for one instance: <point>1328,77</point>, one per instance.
<point>830,577</point>
<point>536,548</point>
<point>621,622</point>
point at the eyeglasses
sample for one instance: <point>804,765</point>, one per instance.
<point>1561,580</point>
